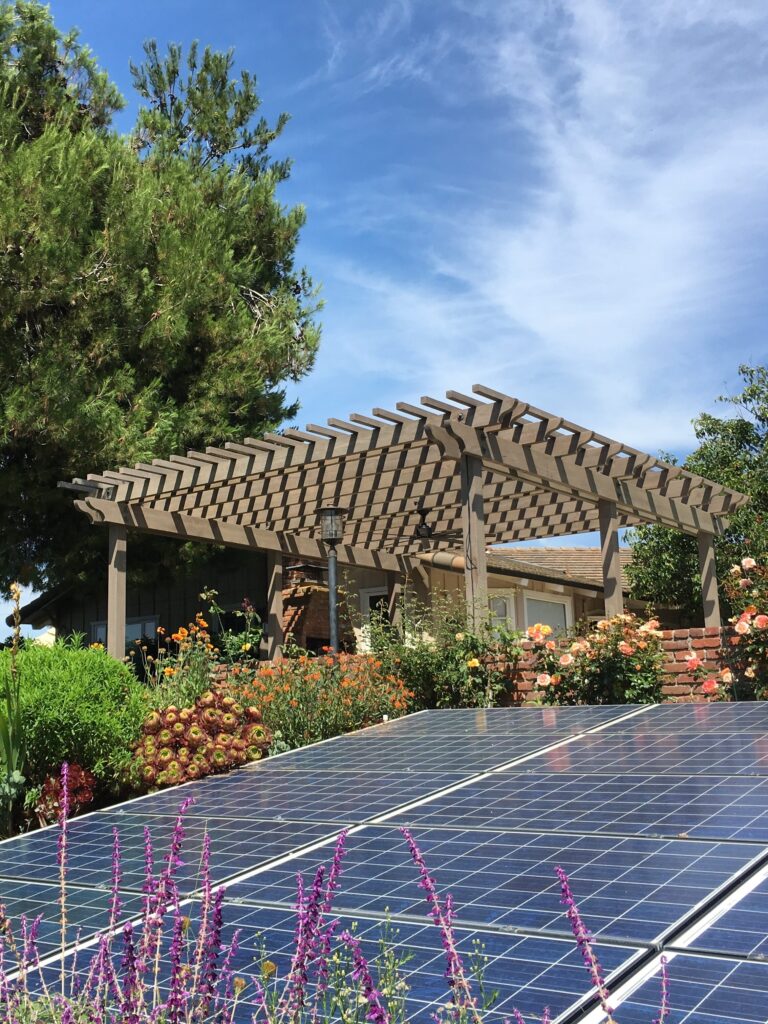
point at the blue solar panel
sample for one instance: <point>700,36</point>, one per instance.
<point>725,716</point>
<point>87,911</point>
<point>703,990</point>
<point>742,930</point>
<point>630,889</point>
<point>272,791</point>
<point>527,972</point>
<point>238,846</point>
<point>701,806</point>
<point>645,750</point>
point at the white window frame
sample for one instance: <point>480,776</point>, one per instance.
<point>510,594</point>
<point>543,595</point>
<point>365,593</point>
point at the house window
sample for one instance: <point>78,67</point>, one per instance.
<point>549,610</point>
<point>502,609</point>
<point>135,629</point>
<point>373,599</point>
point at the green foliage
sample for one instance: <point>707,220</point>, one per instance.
<point>732,451</point>
<point>746,675</point>
<point>12,734</point>
<point>441,658</point>
<point>148,295</point>
<point>618,662</point>
<point>78,705</point>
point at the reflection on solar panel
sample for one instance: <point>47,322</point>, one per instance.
<point>702,806</point>
<point>658,814</point>
<point>633,889</point>
<point>293,794</point>
<point>646,751</point>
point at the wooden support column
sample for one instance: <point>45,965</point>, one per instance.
<point>473,529</point>
<point>116,590</point>
<point>275,637</point>
<point>709,596</point>
<point>611,561</point>
<point>394,598</point>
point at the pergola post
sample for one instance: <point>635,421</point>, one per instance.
<point>611,560</point>
<point>709,596</point>
<point>394,598</point>
<point>116,591</point>
<point>275,637</point>
<point>473,530</point>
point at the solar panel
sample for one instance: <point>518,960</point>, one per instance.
<point>647,751</point>
<point>721,716</point>
<point>527,972</point>
<point>272,791</point>
<point>238,845</point>
<point>700,806</point>
<point>702,990</point>
<point>629,889</point>
<point>741,928</point>
<point>87,910</point>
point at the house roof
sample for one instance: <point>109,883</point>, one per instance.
<point>577,563</point>
<point>540,475</point>
<point>502,564</point>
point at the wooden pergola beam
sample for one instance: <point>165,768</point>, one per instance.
<point>207,531</point>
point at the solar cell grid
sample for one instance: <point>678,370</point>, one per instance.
<point>721,716</point>
<point>742,930</point>
<point>87,911</point>
<point>273,791</point>
<point>645,751</point>
<point>702,990</point>
<point>629,889</point>
<point>704,806</point>
<point>527,972</point>
<point>238,846</point>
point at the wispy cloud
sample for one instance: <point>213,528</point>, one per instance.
<point>624,248</point>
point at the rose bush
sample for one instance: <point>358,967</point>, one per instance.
<point>619,661</point>
<point>747,651</point>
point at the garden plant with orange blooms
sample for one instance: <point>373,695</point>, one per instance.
<point>306,698</point>
<point>617,662</point>
<point>747,650</point>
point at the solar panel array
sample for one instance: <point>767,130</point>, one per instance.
<point>658,814</point>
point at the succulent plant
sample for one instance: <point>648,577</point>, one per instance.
<point>254,753</point>
<point>152,723</point>
<point>206,700</point>
<point>228,722</point>
<point>195,736</point>
<point>164,757</point>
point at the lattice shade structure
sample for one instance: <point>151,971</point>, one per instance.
<point>487,467</point>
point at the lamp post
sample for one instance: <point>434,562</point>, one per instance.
<point>331,532</point>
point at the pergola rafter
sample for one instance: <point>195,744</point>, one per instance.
<point>485,466</point>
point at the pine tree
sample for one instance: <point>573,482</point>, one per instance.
<point>149,300</point>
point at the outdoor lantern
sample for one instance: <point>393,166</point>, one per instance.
<point>331,531</point>
<point>331,524</point>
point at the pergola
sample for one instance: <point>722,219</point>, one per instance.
<point>488,467</point>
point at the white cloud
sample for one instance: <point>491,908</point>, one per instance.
<point>626,246</point>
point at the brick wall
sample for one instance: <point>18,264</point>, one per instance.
<point>678,684</point>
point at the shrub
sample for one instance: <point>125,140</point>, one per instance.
<point>306,699</point>
<point>77,704</point>
<point>182,744</point>
<point>617,662</point>
<point>747,652</point>
<point>442,659</point>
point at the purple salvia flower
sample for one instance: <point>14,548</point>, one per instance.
<point>309,925</point>
<point>129,1007</point>
<point>61,856</point>
<point>115,905</point>
<point>176,995</point>
<point>226,979</point>
<point>519,1019</point>
<point>443,918</point>
<point>664,1008</point>
<point>377,1012</point>
<point>584,941</point>
<point>546,1017</point>
<point>210,967</point>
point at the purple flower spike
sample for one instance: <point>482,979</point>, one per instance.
<point>584,941</point>
<point>664,1008</point>
<point>377,1011</point>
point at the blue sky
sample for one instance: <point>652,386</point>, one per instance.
<point>565,200</point>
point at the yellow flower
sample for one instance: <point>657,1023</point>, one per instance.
<point>245,647</point>
<point>268,968</point>
<point>545,630</point>
<point>169,671</point>
<point>473,663</point>
<point>97,647</point>
<point>238,984</point>
<point>459,637</point>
